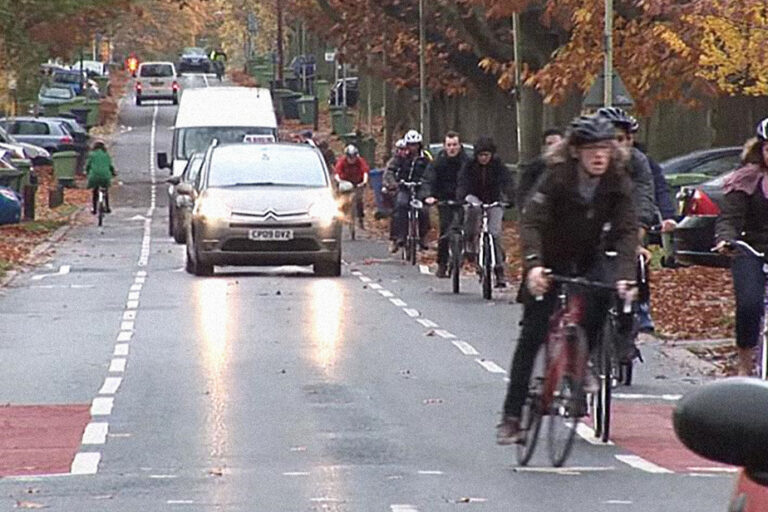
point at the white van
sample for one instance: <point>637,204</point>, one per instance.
<point>156,81</point>
<point>228,114</point>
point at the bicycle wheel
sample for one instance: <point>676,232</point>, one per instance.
<point>456,262</point>
<point>606,361</point>
<point>352,222</point>
<point>532,413</point>
<point>101,208</point>
<point>413,237</point>
<point>487,277</point>
<point>567,401</point>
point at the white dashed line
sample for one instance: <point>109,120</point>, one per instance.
<point>95,433</point>
<point>296,473</point>
<point>638,396</point>
<point>102,406</point>
<point>356,273</point>
<point>403,508</point>
<point>140,280</point>
<point>85,463</point>
<point>490,366</point>
<point>365,279</point>
<point>134,296</point>
<point>430,472</point>
<point>111,384</point>
<point>142,273</point>
<point>640,463</point>
<point>398,302</point>
<point>618,502</point>
<point>466,348</point>
<point>714,469</point>
<point>124,336</point>
<point>132,304</point>
<point>117,365</point>
<point>445,334</point>
<point>426,322</point>
<point>413,313</point>
<point>424,269</point>
<point>180,502</point>
<point>127,325</point>
<point>573,470</point>
<point>129,315</point>
<point>121,349</point>
<point>588,434</point>
<point>375,286</point>
<point>136,287</point>
<point>386,293</point>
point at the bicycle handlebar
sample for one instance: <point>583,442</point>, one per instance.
<point>580,281</point>
<point>409,183</point>
<point>745,248</point>
<point>451,202</point>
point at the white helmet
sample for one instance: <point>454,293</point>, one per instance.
<point>400,144</point>
<point>351,150</point>
<point>762,129</point>
<point>412,137</point>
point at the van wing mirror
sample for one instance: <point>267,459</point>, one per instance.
<point>174,180</point>
<point>184,189</point>
<point>162,161</point>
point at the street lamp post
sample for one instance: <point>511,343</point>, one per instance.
<point>279,74</point>
<point>518,85</point>
<point>608,56</point>
<point>423,122</point>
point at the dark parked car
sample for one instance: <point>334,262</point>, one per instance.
<point>701,175</point>
<point>726,421</point>
<point>49,133</point>
<point>180,205</point>
<point>337,92</point>
<point>194,59</point>
<point>75,80</point>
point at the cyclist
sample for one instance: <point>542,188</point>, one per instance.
<point>745,217</point>
<point>484,179</point>
<point>327,152</point>
<point>354,169</point>
<point>440,185</point>
<point>411,169</point>
<point>533,170</point>
<point>582,206</point>
<point>389,186</point>
<point>100,170</point>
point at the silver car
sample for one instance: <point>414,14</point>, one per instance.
<point>263,204</point>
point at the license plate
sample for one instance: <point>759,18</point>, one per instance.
<point>271,234</point>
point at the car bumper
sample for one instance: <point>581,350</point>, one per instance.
<point>200,66</point>
<point>226,243</point>
<point>694,239</point>
<point>149,94</point>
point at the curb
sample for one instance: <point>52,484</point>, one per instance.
<point>32,258</point>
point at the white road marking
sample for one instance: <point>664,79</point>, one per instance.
<point>136,287</point>
<point>386,293</point>
<point>111,384</point>
<point>63,270</point>
<point>117,365</point>
<point>413,313</point>
<point>403,508</point>
<point>365,279</point>
<point>163,477</point>
<point>85,463</point>
<point>140,280</point>
<point>134,296</point>
<point>714,469</point>
<point>426,322</point>
<point>180,502</point>
<point>102,406</point>
<point>430,472</point>
<point>132,304</point>
<point>445,334</point>
<point>424,269</point>
<point>490,366</point>
<point>356,273</point>
<point>573,470</point>
<point>296,473</point>
<point>95,433</point>
<point>141,273</point>
<point>138,217</point>
<point>640,463</point>
<point>466,348</point>
<point>127,325</point>
<point>129,315</point>
<point>121,349</point>
<point>588,434</point>
<point>375,286</point>
<point>639,396</point>
<point>618,502</point>
<point>398,302</point>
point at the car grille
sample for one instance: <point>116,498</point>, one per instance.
<point>295,225</point>
<point>245,245</point>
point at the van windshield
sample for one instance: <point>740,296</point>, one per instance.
<point>156,70</point>
<point>193,140</point>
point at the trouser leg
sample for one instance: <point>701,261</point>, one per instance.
<point>749,285</point>
<point>399,226</point>
<point>495,218</point>
<point>472,220</point>
<point>446,222</point>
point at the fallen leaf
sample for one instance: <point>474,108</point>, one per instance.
<point>29,504</point>
<point>216,472</point>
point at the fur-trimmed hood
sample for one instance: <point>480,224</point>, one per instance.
<point>751,153</point>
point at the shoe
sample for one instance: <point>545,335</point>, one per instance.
<point>93,211</point>
<point>508,431</point>
<point>360,223</point>
<point>393,246</point>
<point>108,210</point>
<point>501,281</point>
<point>470,257</point>
<point>644,320</point>
<point>630,353</point>
<point>442,271</point>
<point>423,245</point>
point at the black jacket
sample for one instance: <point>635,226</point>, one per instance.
<point>489,183</point>
<point>563,232</point>
<point>530,173</point>
<point>744,217</point>
<point>442,175</point>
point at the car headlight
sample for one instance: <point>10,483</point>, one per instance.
<point>325,211</point>
<point>212,209</point>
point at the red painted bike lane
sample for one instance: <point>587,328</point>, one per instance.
<point>40,439</point>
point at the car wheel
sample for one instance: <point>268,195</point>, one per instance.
<point>193,265</point>
<point>138,101</point>
<point>171,221</point>
<point>175,99</point>
<point>329,268</point>
<point>179,234</point>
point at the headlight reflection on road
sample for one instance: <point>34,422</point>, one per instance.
<point>213,325</point>
<point>327,307</point>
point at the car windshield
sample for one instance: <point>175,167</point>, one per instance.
<point>194,51</point>
<point>194,140</point>
<point>255,165</point>
<point>67,78</point>
<point>194,168</point>
<point>57,92</point>
<point>156,70</point>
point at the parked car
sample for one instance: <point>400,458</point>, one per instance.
<point>279,212</point>
<point>54,95</point>
<point>48,133</point>
<point>38,155</point>
<point>179,205</point>
<point>337,92</point>
<point>699,166</point>
<point>726,421</point>
<point>157,81</point>
<point>92,68</point>
<point>71,79</point>
<point>194,59</point>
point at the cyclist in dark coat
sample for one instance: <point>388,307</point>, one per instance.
<point>531,172</point>
<point>582,206</point>
<point>440,185</point>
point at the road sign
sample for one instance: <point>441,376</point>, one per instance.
<point>330,56</point>
<point>621,97</point>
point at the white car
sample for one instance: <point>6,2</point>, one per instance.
<point>157,81</point>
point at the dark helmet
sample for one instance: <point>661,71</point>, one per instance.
<point>618,116</point>
<point>485,144</point>
<point>762,130</point>
<point>588,129</point>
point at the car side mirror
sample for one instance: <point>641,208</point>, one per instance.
<point>174,180</point>
<point>162,161</point>
<point>185,189</point>
<point>725,421</point>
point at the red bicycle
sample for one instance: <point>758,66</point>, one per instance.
<point>557,391</point>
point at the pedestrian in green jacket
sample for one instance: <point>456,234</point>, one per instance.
<point>100,171</point>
